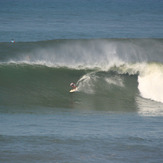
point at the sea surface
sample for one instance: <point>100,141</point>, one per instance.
<point>112,50</point>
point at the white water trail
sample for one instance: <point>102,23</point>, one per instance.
<point>86,83</point>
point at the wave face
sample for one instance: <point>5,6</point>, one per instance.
<point>108,72</point>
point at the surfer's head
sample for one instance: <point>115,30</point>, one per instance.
<point>72,84</point>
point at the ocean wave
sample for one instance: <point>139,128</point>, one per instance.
<point>145,78</point>
<point>39,72</point>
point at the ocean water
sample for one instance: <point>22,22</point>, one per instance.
<point>35,20</point>
<point>112,50</point>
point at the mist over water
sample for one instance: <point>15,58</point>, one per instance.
<point>87,53</point>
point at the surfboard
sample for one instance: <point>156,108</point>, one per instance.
<point>73,90</point>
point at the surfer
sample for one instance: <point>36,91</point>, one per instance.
<point>73,85</point>
<point>12,41</point>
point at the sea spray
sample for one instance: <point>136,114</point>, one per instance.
<point>87,83</point>
<point>91,53</point>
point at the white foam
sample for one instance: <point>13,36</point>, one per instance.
<point>150,78</point>
<point>86,83</point>
<point>148,107</point>
<point>115,81</point>
<point>151,82</point>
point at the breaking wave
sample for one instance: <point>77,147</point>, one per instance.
<point>40,72</point>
